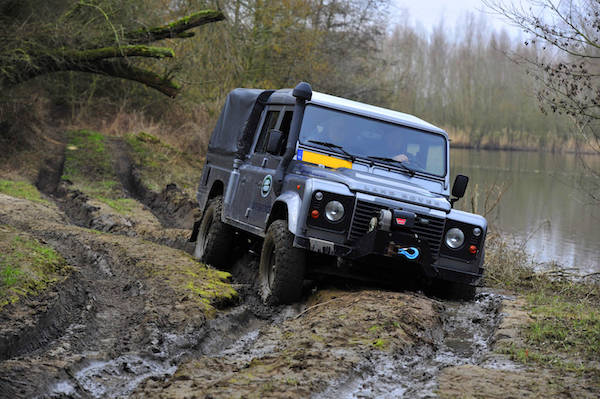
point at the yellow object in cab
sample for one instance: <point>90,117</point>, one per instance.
<point>325,160</point>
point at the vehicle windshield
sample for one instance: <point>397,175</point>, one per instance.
<point>365,137</point>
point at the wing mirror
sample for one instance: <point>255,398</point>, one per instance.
<point>458,188</point>
<point>274,142</point>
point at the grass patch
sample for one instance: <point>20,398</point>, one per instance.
<point>565,332</point>
<point>27,267</point>
<point>21,189</point>
<point>123,206</point>
<point>161,164</point>
<point>88,165</point>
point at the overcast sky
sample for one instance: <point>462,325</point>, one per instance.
<point>429,12</point>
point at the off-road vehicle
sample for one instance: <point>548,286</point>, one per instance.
<point>329,185</point>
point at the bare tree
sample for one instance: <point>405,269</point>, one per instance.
<point>568,71</point>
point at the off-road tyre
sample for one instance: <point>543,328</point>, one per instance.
<point>213,245</point>
<point>281,268</point>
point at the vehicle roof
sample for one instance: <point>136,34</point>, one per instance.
<point>284,96</point>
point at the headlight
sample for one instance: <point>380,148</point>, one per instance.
<point>455,238</point>
<point>334,211</point>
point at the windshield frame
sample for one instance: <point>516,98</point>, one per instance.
<point>364,158</point>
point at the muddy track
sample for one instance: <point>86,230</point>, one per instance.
<point>109,326</point>
<point>171,206</point>
<point>113,329</point>
<point>165,218</point>
<point>126,334</point>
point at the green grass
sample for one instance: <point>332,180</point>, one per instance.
<point>566,323</point>
<point>27,267</point>
<point>565,331</point>
<point>88,165</point>
<point>161,164</point>
<point>123,206</point>
<point>21,189</point>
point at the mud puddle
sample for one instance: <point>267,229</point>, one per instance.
<point>118,377</point>
<point>229,334</point>
<point>466,337</point>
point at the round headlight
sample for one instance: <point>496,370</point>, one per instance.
<point>455,238</point>
<point>334,211</point>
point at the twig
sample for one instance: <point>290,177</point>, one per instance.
<point>314,306</point>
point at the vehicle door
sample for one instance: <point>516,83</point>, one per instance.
<point>257,176</point>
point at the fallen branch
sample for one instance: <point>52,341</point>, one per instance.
<point>109,60</point>
<point>175,30</point>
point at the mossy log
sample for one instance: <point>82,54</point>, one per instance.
<point>110,60</point>
<point>175,30</point>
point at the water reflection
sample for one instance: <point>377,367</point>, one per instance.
<point>543,204</point>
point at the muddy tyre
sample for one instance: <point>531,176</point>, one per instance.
<point>213,245</point>
<point>281,268</point>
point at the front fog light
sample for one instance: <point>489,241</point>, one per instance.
<point>334,211</point>
<point>455,238</point>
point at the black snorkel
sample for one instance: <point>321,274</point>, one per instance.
<point>303,93</point>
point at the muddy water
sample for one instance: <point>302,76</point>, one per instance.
<point>119,377</point>
<point>465,338</point>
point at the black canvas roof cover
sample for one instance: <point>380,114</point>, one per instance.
<point>232,122</point>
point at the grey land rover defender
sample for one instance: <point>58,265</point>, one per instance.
<point>329,185</point>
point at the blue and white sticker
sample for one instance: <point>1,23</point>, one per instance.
<point>267,183</point>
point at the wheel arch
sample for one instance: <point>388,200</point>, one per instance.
<point>286,207</point>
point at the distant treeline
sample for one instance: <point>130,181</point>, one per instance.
<point>461,77</point>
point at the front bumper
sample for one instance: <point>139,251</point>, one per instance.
<point>400,247</point>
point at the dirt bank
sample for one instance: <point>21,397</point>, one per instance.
<point>327,344</point>
<point>132,315</point>
<point>125,297</point>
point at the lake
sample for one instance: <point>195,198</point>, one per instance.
<point>543,203</point>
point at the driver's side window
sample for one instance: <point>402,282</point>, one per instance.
<point>270,123</point>
<point>278,118</point>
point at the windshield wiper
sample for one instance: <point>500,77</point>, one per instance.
<point>335,147</point>
<point>410,171</point>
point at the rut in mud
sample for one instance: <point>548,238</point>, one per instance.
<point>165,218</point>
<point>136,318</point>
<point>346,344</point>
<point>126,333</point>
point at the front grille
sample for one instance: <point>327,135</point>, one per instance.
<point>432,232</point>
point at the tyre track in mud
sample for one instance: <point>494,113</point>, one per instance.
<point>99,345</point>
<point>119,333</point>
<point>110,350</point>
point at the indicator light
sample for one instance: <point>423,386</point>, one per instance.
<point>473,249</point>
<point>314,214</point>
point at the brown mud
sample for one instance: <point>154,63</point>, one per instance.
<point>138,317</point>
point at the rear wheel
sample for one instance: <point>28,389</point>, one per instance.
<point>214,236</point>
<point>281,268</point>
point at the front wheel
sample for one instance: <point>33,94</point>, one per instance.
<point>214,236</point>
<point>281,268</point>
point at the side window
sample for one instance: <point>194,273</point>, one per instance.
<point>286,122</point>
<point>270,123</point>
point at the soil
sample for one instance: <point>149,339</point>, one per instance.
<point>138,317</point>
